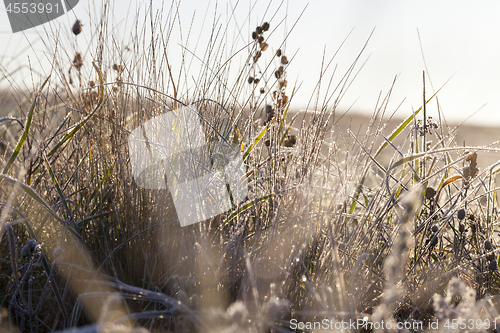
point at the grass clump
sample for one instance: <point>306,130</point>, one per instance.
<point>382,226</point>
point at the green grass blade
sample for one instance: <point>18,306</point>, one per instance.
<point>257,139</point>
<point>75,129</point>
<point>246,206</point>
<point>23,137</point>
<point>393,136</point>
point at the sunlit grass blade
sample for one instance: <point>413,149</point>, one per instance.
<point>24,135</point>
<point>35,196</point>
<point>257,139</point>
<point>77,127</point>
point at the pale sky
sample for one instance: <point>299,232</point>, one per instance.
<point>460,41</point>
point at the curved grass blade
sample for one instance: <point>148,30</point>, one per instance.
<point>77,127</point>
<point>393,136</point>
<point>23,137</point>
<point>447,181</point>
<point>45,264</point>
<point>246,206</point>
<point>35,196</point>
<point>58,188</point>
<point>257,139</point>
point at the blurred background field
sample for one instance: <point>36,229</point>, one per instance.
<point>339,222</point>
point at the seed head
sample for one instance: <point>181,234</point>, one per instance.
<point>278,53</point>
<point>269,109</point>
<point>461,214</point>
<point>258,30</point>
<point>264,46</point>
<point>277,74</point>
<point>250,79</point>
<point>29,248</point>
<point>78,61</point>
<point>285,99</point>
<point>260,39</point>
<point>257,56</point>
<point>254,35</point>
<point>265,26</point>
<point>290,141</point>
<point>284,60</point>
<point>433,239</point>
<point>435,228</point>
<point>262,90</point>
<point>487,245</point>
<point>118,68</point>
<point>461,227</point>
<point>77,27</point>
<point>493,265</point>
<point>430,193</point>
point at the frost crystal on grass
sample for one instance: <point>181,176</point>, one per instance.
<point>458,302</point>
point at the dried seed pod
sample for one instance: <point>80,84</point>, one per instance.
<point>256,81</point>
<point>461,214</point>
<point>264,46</point>
<point>434,240</point>
<point>290,141</point>
<point>278,52</point>
<point>250,79</point>
<point>260,39</point>
<point>430,193</point>
<point>77,27</point>
<point>472,157</point>
<point>284,60</point>
<point>493,265</point>
<point>29,248</point>
<point>269,109</point>
<point>435,228</point>
<point>91,83</point>
<point>25,251</point>
<point>262,90</point>
<point>277,74</point>
<point>281,69</point>
<point>254,35</point>
<point>257,56</point>
<point>265,26</point>
<point>78,61</point>
<point>118,68</point>
<point>487,245</point>
<point>258,30</point>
